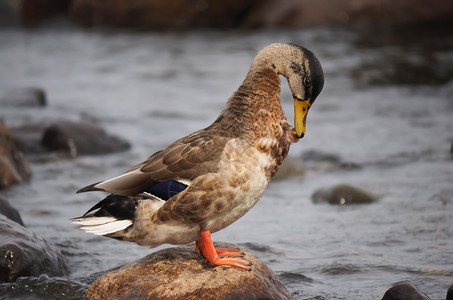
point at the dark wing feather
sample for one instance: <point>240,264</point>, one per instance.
<point>119,207</point>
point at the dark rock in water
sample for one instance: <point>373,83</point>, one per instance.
<point>28,97</point>
<point>343,194</point>
<point>404,291</point>
<point>291,167</point>
<point>14,168</point>
<point>67,138</point>
<point>24,253</point>
<point>180,273</point>
<point>80,138</point>
<point>10,212</point>
<point>315,155</point>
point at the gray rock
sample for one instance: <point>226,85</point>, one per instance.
<point>316,155</point>
<point>343,194</point>
<point>24,253</point>
<point>180,273</point>
<point>81,139</point>
<point>404,291</point>
<point>10,212</point>
<point>451,150</point>
<point>27,97</point>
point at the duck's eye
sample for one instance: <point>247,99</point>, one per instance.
<point>307,81</point>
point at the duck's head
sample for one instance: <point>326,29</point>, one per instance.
<point>306,80</point>
<point>304,74</point>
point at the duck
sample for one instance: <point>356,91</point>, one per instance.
<point>205,181</point>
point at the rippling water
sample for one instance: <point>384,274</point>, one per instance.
<point>386,109</point>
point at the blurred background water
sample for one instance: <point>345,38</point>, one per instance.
<point>385,114</point>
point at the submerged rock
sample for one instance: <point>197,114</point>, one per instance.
<point>27,97</point>
<point>81,138</point>
<point>14,168</point>
<point>180,273</point>
<point>10,212</point>
<point>451,150</point>
<point>24,253</point>
<point>323,162</point>
<point>404,291</point>
<point>343,194</point>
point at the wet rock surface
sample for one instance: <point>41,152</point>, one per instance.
<point>404,291</point>
<point>43,287</point>
<point>24,253</point>
<point>180,273</point>
<point>10,212</point>
<point>343,194</point>
<point>14,168</point>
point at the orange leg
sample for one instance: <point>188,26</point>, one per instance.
<point>205,245</point>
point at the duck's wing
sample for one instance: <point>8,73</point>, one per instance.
<point>181,162</point>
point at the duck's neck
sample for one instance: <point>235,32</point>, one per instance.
<point>256,103</point>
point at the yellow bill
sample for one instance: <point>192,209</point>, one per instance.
<point>300,116</point>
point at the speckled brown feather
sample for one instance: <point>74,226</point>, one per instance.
<point>186,158</point>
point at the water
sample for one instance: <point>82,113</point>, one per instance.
<point>386,110</point>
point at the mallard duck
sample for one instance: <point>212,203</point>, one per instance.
<point>207,180</point>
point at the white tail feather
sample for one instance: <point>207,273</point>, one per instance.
<point>102,225</point>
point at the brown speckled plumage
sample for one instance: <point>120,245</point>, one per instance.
<point>226,166</point>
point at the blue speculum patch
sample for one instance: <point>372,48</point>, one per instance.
<point>167,189</point>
